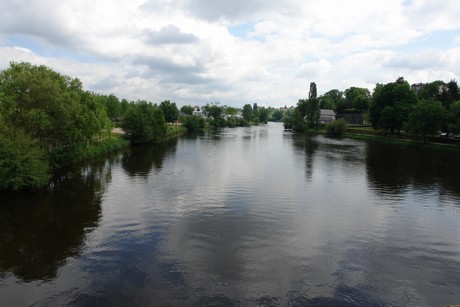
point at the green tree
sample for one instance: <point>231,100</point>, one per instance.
<point>263,115</point>
<point>113,107</point>
<point>231,111</point>
<point>331,100</point>
<point>312,109</point>
<point>277,116</point>
<point>247,112</point>
<point>23,163</point>
<point>453,117</point>
<point>49,107</point>
<point>397,99</point>
<point>425,119</point>
<point>144,123</point>
<point>170,111</point>
<point>187,109</point>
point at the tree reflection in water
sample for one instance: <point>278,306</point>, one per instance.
<point>39,231</point>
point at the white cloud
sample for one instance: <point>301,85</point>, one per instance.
<point>183,51</point>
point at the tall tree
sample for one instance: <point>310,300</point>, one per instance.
<point>170,111</point>
<point>397,99</point>
<point>312,109</point>
<point>426,118</point>
<point>247,112</point>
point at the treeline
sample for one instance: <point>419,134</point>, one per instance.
<point>395,107</point>
<point>47,121</point>
<point>216,116</point>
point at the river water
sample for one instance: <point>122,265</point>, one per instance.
<point>240,217</point>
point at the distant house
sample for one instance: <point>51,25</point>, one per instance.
<point>198,113</point>
<point>326,116</point>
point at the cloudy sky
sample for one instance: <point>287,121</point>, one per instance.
<point>233,52</point>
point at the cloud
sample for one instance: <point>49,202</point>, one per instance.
<point>233,51</point>
<point>170,35</point>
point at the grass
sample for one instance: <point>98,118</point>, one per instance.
<point>116,141</point>
<point>404,142</point>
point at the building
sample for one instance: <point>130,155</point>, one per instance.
<point>326,116</point>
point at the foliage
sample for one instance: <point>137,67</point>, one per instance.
<point>50,107</point>
<point>426,118</point>
<point>263,115</point>
<point>397,99</point>
<point>193,123</point>
<point>336,128</point>
<point>295,121</point>
<point>23,163</point>
<point>214,110</point>
<point>247,112</point>
<point>356,98</point>
<point>453,117</point>
<point>144,123</point>
<point>170,111</point>
<point>331,100</point>
<point>231,111</point>
<point>187,110</point>
<point>277,116</point>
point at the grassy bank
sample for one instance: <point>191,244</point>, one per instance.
<point>117,141</point>
<point>173,131</point>
<point>403,142</point>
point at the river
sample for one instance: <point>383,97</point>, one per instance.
<point>239,217</point>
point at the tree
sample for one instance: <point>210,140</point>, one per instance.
<point>113,107</point>
<point>23,163</point>
<point>277,116</point>
<point>49,107</point>
<point>231,111</point>
<point>311,107</point>
<point>170,111</point>
<point>453,117</point>
<point>193,123</point>
<point>425,119</point>
<point>247,112</point>
<point>263,115</point>
<point>187,109</point>
<point>144,123</point>
<point>397,99</point>
<point>331,100</point>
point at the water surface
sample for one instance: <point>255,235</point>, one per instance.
<point>239,217</point>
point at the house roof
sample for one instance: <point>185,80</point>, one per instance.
<point>327,112</point>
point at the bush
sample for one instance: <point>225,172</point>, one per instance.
<point>193,123</point>
<point>23,164</point>
<point>336,128</point>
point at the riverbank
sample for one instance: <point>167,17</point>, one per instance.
<point>405,142</point>
<point>117,141</point>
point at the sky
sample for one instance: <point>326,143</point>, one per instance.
<point>234,52</point>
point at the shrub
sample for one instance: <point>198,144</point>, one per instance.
<point>336,128</point>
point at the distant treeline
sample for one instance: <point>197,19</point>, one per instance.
<point>395,107</point>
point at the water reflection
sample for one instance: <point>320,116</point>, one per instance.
<point>391,170</point>
<point>308,146</point>
<point>140,160</point>
<point>39,231</point>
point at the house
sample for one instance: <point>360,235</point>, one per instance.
<point>198,113</point>
<point>326,116</point>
